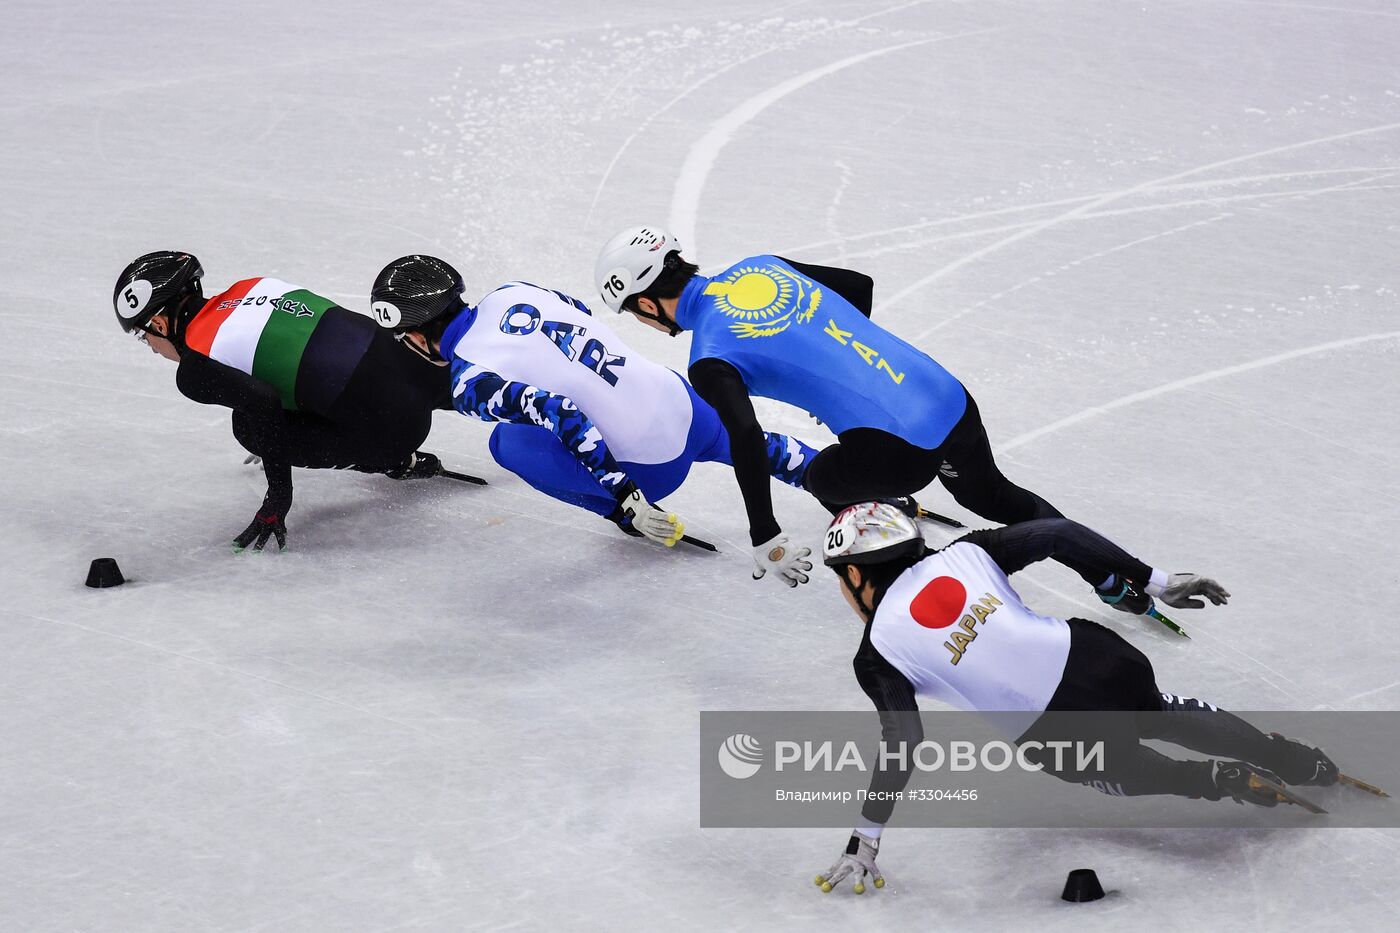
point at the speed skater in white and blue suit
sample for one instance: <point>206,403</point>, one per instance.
<point>584,417</point>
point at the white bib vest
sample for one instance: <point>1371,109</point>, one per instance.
<point>956,629</point>
<point>528,334</point>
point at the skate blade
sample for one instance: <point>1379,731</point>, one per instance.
<point>464,477</point>
<point>1284,794</point>
<point>928,516</point>
<point>1360,785</point>
<point>1153,613</point>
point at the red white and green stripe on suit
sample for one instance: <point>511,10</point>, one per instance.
<point>303,345</point>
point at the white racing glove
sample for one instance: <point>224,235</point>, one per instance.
<point>1181,587</point>
<point>778,555</point>
<point>858,859</point>
<point>661,527</point>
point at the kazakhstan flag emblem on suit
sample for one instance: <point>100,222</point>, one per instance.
<point>764,300</point>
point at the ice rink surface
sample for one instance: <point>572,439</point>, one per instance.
<point>1158,240</point>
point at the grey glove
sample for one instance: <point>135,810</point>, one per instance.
<point>1181,587</point>
<point>858,857</point>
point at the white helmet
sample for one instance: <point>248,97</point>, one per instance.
<point>871,533</point>
<point>630,262</point>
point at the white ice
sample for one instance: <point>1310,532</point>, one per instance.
<point>1158,240</point>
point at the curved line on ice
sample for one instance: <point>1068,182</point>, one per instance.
<point>691,89</point>
<point>1119,195</point>
<point>1314,8</point>
<point>1096,410</point>
<point>1358,185</point>
<point>685,202</point>
<point>1078,199</point>
<point>1290,194</point>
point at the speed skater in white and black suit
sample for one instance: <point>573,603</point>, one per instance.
<point>947,624</point>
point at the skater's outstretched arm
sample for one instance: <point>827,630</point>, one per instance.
<point>721,385</point>
<point>264,423</point>
<point>1082,549</point>
<point>1093,557</point>
<point>894,697</point>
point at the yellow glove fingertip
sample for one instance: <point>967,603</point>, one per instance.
<point>826,887</point>
<point>820,881</point>
<point>879,882</point>
<point>860,887</point>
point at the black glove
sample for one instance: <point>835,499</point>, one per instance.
<point>265,525</point>
<point>270,521</point>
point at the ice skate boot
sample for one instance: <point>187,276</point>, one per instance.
<point>419,465</point>
<point>1125,597</point>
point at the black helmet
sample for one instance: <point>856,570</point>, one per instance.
<point>414,291</point>
<point>155,283</point>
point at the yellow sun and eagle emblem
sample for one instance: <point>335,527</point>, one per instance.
<point>764,300</point>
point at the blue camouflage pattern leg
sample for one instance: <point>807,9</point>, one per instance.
<point>480,393</point>
<point>788,458</point>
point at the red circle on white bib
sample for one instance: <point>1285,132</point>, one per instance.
<point>940,603</point>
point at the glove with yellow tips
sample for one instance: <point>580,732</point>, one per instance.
<point>858,860</point>
<point>660,526</point>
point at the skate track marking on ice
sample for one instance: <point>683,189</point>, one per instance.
<point>1358,185</point>
<point>690,184</point>
<point>1080,199</point>
<point>1095,410</point>
<point>1109,198</point>
<point>1365,693</point>
<point>1291,193</point>
<point>1313,8</point>
<point>719,72</point>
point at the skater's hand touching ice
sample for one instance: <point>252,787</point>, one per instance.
<point>858,860</point>
<point>1181,589</point>
<point>789,563</point>
<point>658,525</point>
<point>270,522</point>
